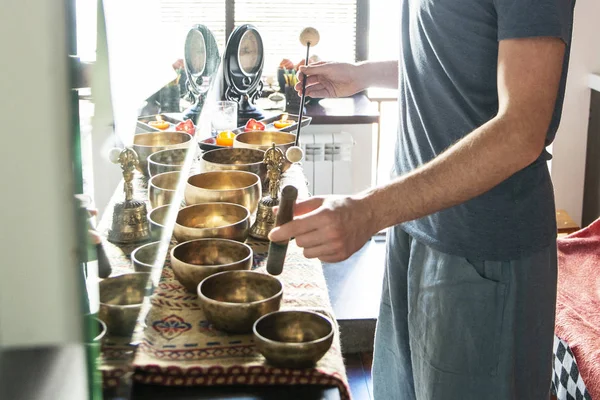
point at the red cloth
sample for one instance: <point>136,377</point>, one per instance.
<point>578,301</point>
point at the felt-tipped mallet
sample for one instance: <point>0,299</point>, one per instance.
<point>308,37</point>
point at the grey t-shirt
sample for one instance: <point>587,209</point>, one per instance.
<point>448,66</point>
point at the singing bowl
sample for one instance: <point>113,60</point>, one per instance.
<point>197,259</point>
<point>238,187</point>
<point>212,220</point>
<point>162,188</point>
<point>294,339</point>
<point>166,161</point>
<point>145,144</point>
<point>156,219</point>
<point>239,159</point>
<point>263,140</point>
<point>144,257</point>
<point>121,299</point>
<point>233,300</point>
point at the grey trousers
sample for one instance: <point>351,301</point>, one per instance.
<point>453,329</point>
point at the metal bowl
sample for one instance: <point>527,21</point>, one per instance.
<point>144,257</point>
<point>294,339</point>
<point>197,259</point>
<point>156,219</point>
<point>162,188</point>
<point>250,160</point>
<point>166,161</point>
<point>262,140</point>
<point>121,299</point>
<point>239,187</point>
<point>212,220</point>
<point>233,300</point>
<point>145,144</point>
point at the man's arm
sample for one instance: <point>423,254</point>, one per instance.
<point>380,74</point>
<point>529,72</point>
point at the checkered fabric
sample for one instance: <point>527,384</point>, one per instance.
<point>567,384</point>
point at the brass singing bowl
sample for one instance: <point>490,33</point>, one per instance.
<point>212,220</point>
<point>233,300</point>
<point>144,257</point>
<point>197,259</point>
<point>239,159</point>
<point>168,160</point>
<point>263,140</point>
<point>156,220</point>
<point>238,187</point>
<point>145,144</point>
<point>162,188</point>
<point>121,299</point>
<point>294,339</point>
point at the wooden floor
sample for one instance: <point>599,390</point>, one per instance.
<point>358,368</point>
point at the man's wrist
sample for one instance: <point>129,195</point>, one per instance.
<point>368,209</point>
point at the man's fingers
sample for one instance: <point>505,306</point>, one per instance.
<point>308,205</point>
<point>323,250</point>
<point>299,226</point>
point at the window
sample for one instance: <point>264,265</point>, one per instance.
<point>279,23</point>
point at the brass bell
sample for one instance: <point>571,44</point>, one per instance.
<point>130,217</point>
<point>265,217</point>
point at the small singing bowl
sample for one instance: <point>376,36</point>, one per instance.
<point>238,187</point>
<point>162,188</point>
<point>233,300</point>
<point>144,257</point>
<point>145,144</point>
<point>197,259</point>
<point>121,300</point>
<point>212,220</point>
<point>293,339</point>
<point>239,159</point>
<point>156,219</point>
<point>166,161</point>
<point>263,140</point>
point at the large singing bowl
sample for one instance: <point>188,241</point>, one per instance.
<point>212,220</point>
<point>263,140</point>
<point>232,159</point>
<point>238,187</point>
<point>145,144</point>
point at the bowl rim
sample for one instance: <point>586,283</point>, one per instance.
<point>151,161</point>
<point>134,252</point>
<point>103,304</point>
<point>249,256</point>
<point>233,149</point>
<point>156,208</point>
<point>188,138</point>
<point>292,344</point>
<point>267,131</point>
<point>152,184</point>
<point>207,299</point>
<point>258,182</point>
<point>212,203</point>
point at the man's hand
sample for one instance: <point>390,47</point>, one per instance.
<point>328,228</point>
<point>332,79</point>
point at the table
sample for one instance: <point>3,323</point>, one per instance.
<point>144,361</point>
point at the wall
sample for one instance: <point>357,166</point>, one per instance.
<point>568,165</point>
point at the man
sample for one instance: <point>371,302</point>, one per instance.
<point>467,309</point>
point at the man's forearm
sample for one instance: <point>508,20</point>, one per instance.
<point>472,166</point>
<point>381,74</point>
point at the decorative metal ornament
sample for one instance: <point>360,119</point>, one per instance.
<point>265,217</point>
<point>242,69</point>
<point>130,221</point>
